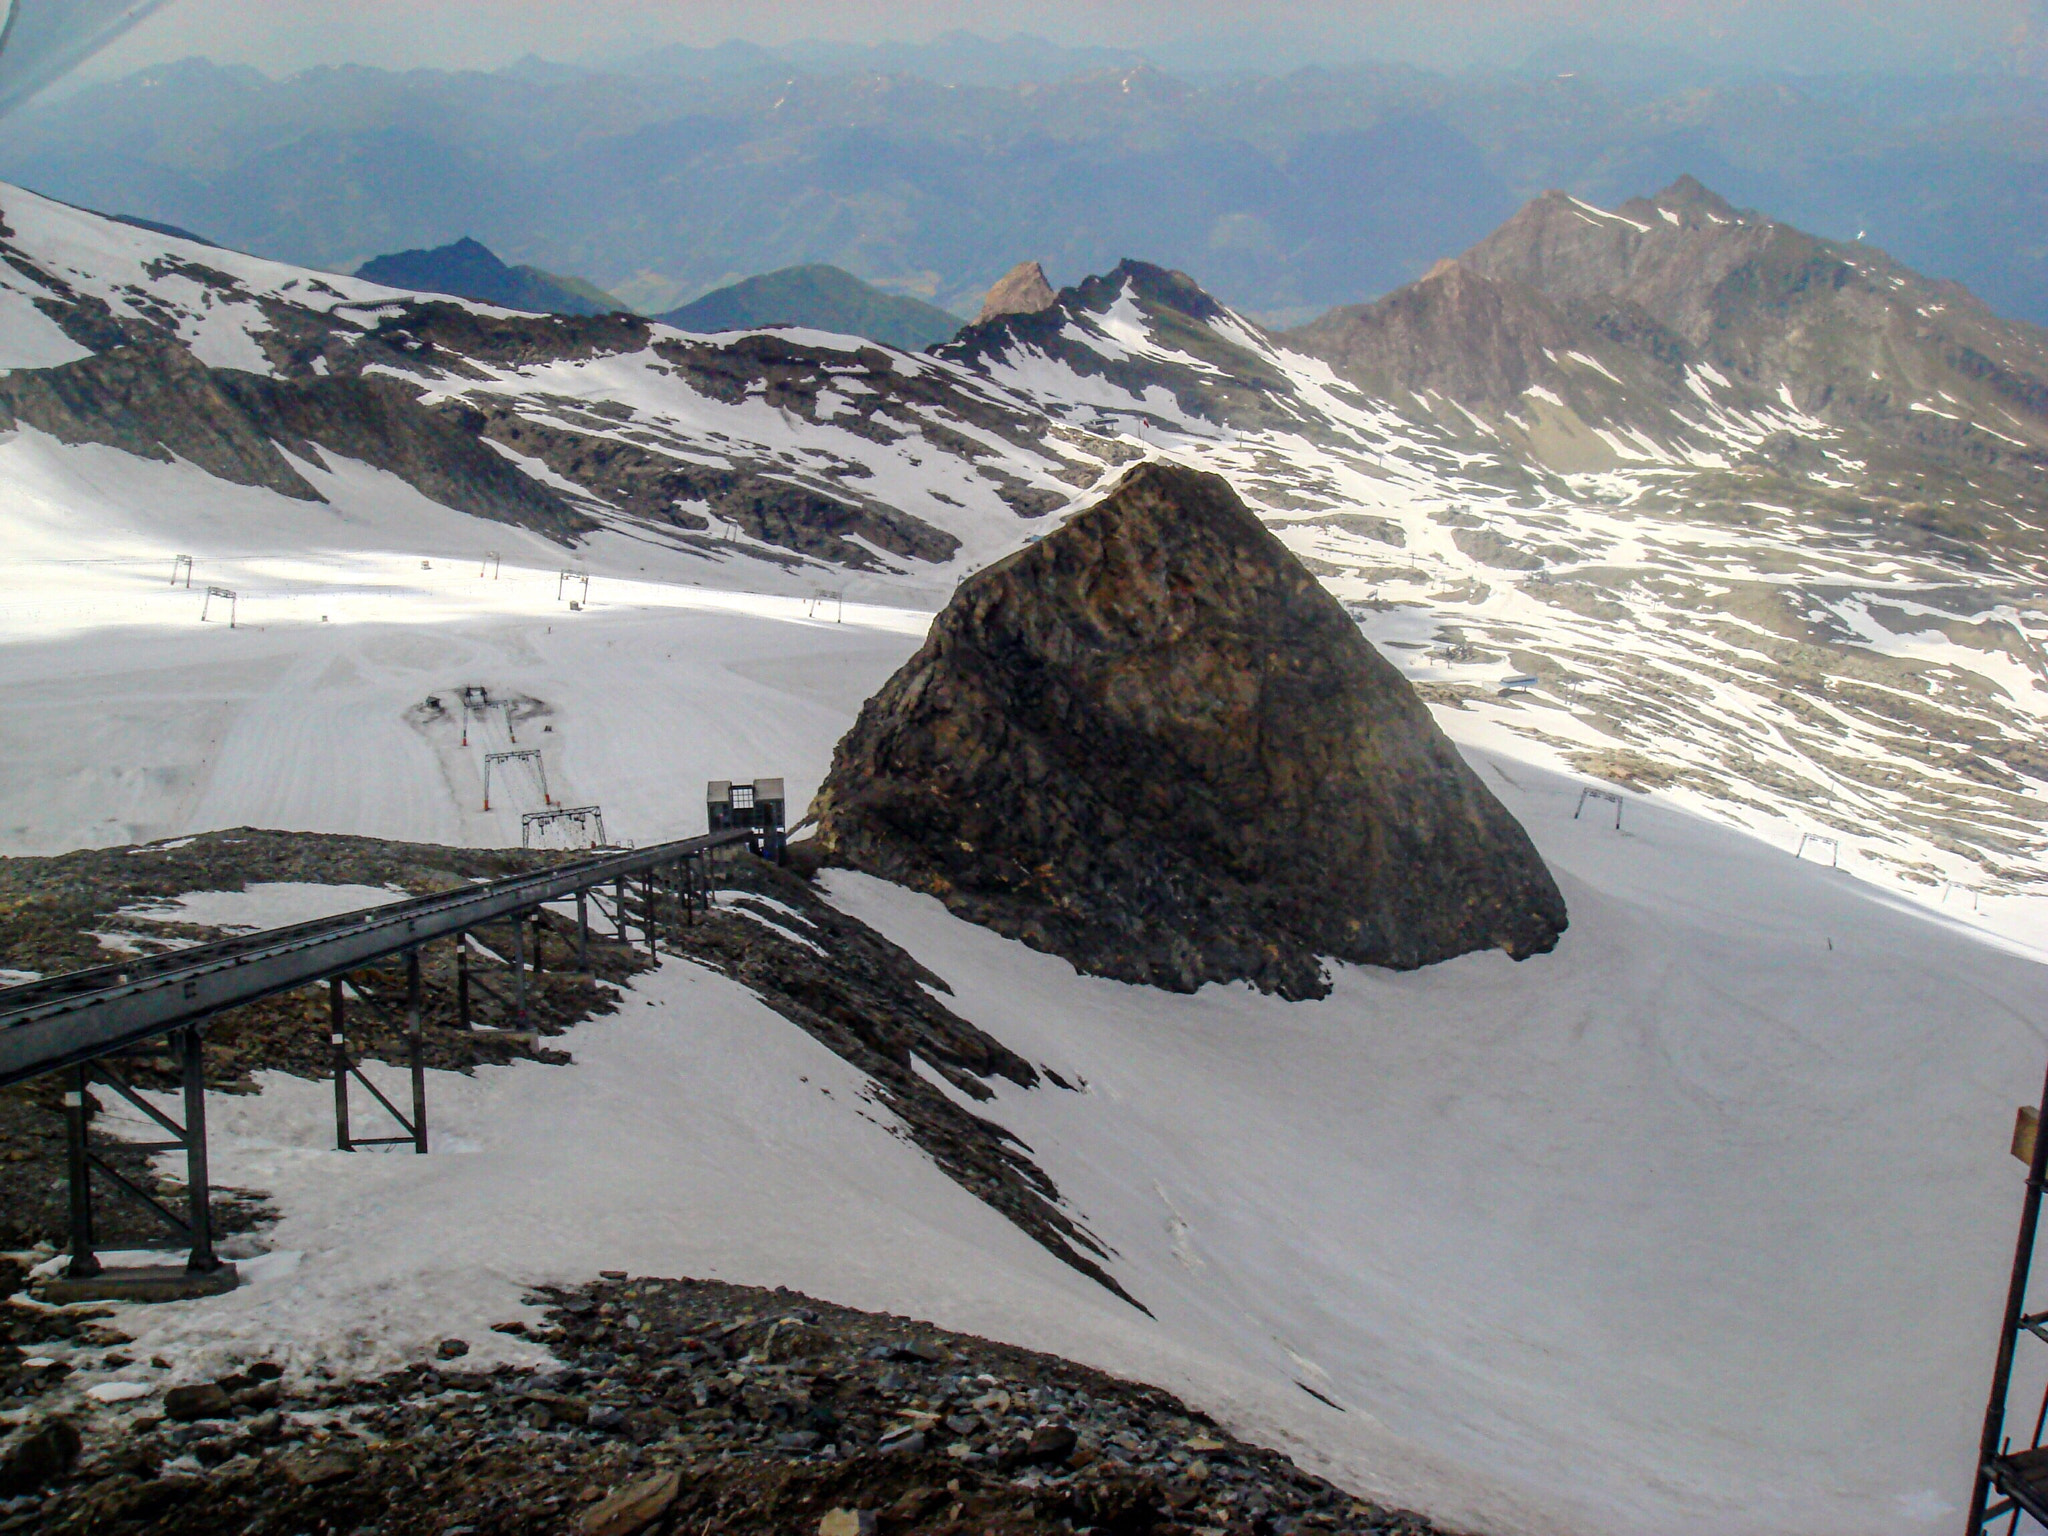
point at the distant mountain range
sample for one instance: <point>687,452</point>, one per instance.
<point>814,297</point>
<point>468,269</point>
<point>819,298</point>
<point>953,58</point>
<point>932,171</point>
<point>1748,517</point>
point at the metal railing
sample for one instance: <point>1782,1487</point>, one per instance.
<point>64,1020</point>
<point>81,1021</point>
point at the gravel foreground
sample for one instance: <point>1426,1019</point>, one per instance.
<point>675,1406</point>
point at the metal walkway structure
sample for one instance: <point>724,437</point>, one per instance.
<point>88,1023</point>
<point>2013,1480</point>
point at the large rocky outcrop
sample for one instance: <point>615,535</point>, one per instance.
<point>1023,290</point>
<point>1154,745</point>
<point>1842,329</point>
<point>1483,343</point>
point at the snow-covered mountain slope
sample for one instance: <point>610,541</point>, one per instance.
<point>1731,614</point>
<point>1718,573</point>
<point>790,451</point>
<point>1655,1235</point>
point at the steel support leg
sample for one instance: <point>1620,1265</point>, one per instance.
<point>519,966</point>
<point>583,931</point>
<point>337,1036</point>
<point>540,931</point>
<point>462,980</point>
<point>648,913</point>
<point>2015,1307</point>
<point>198,1180</point>
<point>417,1046</point>
<point>619,897</point>
<point>84,1262</point>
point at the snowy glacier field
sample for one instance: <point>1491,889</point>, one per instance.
<point>1699,1224</point>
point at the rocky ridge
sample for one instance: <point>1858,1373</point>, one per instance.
<point>1152,744</point>
<point>566,424</point>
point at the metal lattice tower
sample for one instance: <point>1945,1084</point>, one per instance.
<point>2014,1482</point>
<point>522,755</point>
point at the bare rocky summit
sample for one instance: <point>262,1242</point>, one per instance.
<point>1153,745</point>
<point>1572,329</point>
<point>1023,290</point>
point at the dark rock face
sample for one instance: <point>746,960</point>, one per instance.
<point>468,269</point>
<point>153,398</point>
<point>1152,744</point>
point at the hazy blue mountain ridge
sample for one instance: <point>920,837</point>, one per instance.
<point>468,269</point>
<point>822,298</point>
<point>1285,195</point>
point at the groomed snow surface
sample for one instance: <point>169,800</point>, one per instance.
<point>1698,1224</point>
<point>1657,1234</point>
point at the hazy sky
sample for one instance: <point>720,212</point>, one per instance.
<point>281,35</point>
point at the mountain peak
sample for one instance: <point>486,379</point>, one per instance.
<point>1163,285</point>
<point>467,262</point>
<point>1023,290</point>
<point>1690,192</point>
<point>821,298</point>
<point>469,269</point>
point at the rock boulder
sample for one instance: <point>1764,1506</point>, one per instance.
<point>1154,745</point>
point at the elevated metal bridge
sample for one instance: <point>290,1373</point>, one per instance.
<point>84,1023</point>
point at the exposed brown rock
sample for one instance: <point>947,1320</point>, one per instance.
<point>676,1427</point>
<point>1022,290</point>
<point>633,1508</point>
<point>1154,745</point>
<point>38,1455</point>
<point>200,1400</point>
<point>1479,341</point>
<point>1852,335</point>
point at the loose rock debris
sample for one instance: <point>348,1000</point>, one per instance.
<point>673,1406</point>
